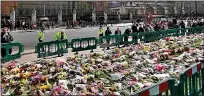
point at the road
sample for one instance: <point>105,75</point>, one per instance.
<point>29,38</point>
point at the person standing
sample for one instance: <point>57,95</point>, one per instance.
<point>60,36</point>
<point>134,30</point>
<point>100,32</point>
<point>141,29</point>
<point>5,38</point>
<point>118,32</point>
<point>108,33</point>
<point>41,36</point>
<point>182,24</point>
<point>127,33</point>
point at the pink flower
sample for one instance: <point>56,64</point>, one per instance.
<point>100,85</point>
<point>82,94</point>
<point>83,80</point>
<point>37,77</point>
<point>60,61</point>
<point>58,89</point>
<point>12,64</point>
<point>93,89</point>
<point>160,67</point>
<point>131,83</point>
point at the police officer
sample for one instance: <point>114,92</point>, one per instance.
<point>100,32</point>
<point>41,36</point>
<point>61,36</point>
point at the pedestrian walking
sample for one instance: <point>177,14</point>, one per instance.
<point>23,25</point>
<point>5,38</point>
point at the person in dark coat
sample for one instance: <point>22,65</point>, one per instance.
<point>108,33</point>
<point>182,24</point>
<point>134,30</point>
<point>5,38</point>
<point>118,32</point>
<point>156,27</point>
<point>141,29</point>
<point>127,32</point>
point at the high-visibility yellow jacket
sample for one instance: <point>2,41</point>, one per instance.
<point>101,31</point>
<point>58,36</point>
<point>41,35</point>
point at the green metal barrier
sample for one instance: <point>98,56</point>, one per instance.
<point>83,44</point>
<point>131,39</point>
<point>163,88</point>
<point>192,81</point>
<point>45,49</point>
<point>10,57</point>
<point>108,41</point>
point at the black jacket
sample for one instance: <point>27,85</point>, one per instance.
<point>108,32</point>
<point>117,32</point>
<point>3,40</point>
<point>182,24</point>
<point>127,32</point>
<point>134,29</point>
<point>141,29</point>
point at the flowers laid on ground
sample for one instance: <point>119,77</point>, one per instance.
<point>119,71</point>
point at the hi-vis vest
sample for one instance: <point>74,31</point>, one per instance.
<point>101,31</point>
<point>58,36</point>
<point>41,36</point>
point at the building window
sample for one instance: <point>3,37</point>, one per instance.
<point>20,12</point>
<point>26,12</point>
<point>38,12</point>
<point>49,12</point>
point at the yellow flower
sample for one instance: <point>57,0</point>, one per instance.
<point>163,45</point>
<point>85,76</point>
<point>73,57</point>
<point>146,48</point>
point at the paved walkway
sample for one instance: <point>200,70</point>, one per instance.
<point>29,55</point>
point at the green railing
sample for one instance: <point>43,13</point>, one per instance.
<point>10,57</point>
<point>192,81</point>
<point>82,44</point>
<point>45,49</point>
<point>108,41</point>
<point>163,88</point>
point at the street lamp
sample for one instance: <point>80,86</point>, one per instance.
<point>196,9</point>
<point>44,8</point>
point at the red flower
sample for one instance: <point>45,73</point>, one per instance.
<point>167,38</point>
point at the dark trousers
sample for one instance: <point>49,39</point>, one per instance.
<point>42,46</point>
<point>3,52</point>
<point>100,35</point>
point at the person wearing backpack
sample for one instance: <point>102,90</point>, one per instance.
<point>5,38</point>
